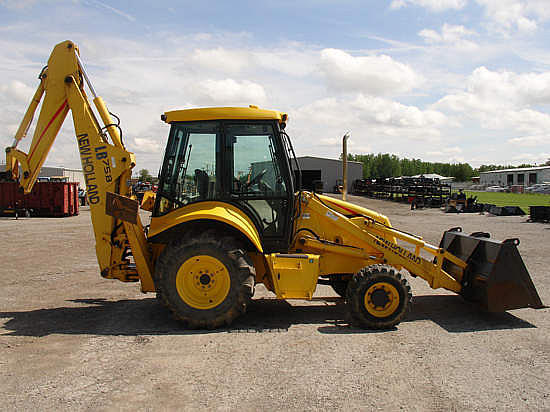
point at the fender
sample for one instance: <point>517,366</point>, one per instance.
<point>209,210</point>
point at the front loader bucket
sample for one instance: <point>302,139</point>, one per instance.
<point>496,276</point>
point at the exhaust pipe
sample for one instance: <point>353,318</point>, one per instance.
<point>345,165</point>
<point>495,277</point>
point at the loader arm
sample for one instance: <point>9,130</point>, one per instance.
<point>348,237</point>
<point>367,238</point>
<point>106,164</point>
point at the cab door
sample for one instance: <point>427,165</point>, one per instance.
<point>259,179</point>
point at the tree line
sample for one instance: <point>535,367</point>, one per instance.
<point>383,165</point>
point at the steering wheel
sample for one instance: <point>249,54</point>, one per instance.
<point>256,179</point>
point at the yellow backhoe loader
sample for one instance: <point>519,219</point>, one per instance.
<point>229,214</point>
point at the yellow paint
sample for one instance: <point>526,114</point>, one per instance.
<point>348,209</point>
<point>294,275</point>
<point>263,274</point>
<point>107,165</point>
<point>203,282</point>
<point>141,252</point>
<point>367,238</point>
<point>148,201</point>
<point>221,113</point>
<point>218,211</point>
<point>391,295</point>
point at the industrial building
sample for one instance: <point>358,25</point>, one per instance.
<point>329,171</point>
<point>508,177</point>
<point>74,175</point>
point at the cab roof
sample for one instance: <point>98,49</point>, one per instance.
<point>223,113</point>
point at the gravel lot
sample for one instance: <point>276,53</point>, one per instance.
<point>72,340</point>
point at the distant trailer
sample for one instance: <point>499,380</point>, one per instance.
<point>47,199</point>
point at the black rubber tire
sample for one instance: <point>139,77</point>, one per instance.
<point>241,272</point>
<point>360,284</point>
<point>340,287</point>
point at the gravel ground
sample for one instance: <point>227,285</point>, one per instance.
<point>70,340</point>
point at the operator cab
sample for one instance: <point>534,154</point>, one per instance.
<point>232,155</point>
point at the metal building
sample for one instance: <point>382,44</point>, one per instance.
<point>74,175</point>
<point>329,171</point>
<point>525,176</point>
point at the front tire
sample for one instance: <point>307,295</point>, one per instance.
<point>340,286</point>
<point>207,282</point>
<point>378,298</point>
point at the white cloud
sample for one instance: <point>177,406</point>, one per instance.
<point>434,5</point>
<point>229,91</point>
<point>146,145</point>
<point>505,107</point>
<point>447,150</point>
<point>376,124</point>
<point>531,140</point>
<point>376,75</point>
<point>16,92</point>
<point>289,61</point>
<point>504,16</point>
<point>15,96</point>
<point>487,90</point>
<point>329,141</point>
<point>221,59</point>
<point>448,154</point>
<point>450,35</point>
<point>532,158</point>
<point>521,15</point>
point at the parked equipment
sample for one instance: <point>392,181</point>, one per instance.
<point>338,187</point>
<point>506,211</point>
<point>459,202</point>
<point>539,213</point>
<point>46,199</point>
<point>417,191</point>
<point>226,216</point>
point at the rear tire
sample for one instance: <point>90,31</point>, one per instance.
<point>378,298</point>
<point>207,281</point>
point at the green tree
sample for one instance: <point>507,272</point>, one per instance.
<point>145,176</point>
<point>384,165</point>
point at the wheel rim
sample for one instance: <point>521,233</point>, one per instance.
<point>203,282</point>
<point>381,299</point>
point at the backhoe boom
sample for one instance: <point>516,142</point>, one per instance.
<point>107,165</point>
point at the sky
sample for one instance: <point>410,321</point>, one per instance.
<point>439,80</point>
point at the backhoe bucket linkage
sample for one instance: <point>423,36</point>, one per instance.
<point>495,276</point>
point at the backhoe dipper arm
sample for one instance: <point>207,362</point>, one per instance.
<point>107,166</point>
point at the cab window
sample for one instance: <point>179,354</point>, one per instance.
<point>256,176</point>
<point>190,166</point>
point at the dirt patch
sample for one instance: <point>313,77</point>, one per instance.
<point>72,340</point>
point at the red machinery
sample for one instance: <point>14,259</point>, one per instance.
<point>47,199</point>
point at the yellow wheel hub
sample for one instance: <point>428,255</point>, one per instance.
<point>381,299</point>
<point>203,282</point>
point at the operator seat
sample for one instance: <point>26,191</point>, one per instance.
<point>201,180</point>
